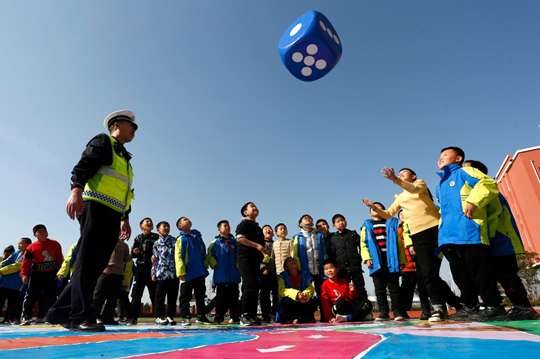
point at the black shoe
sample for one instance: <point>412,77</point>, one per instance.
<point>255,319</point>
<point>132,321</point>
<point>88,326</point>
<point>463,314</point>
<point>382,316</point>
<point>202,320</point>
<point>426,311</point>
<point>437,316</point>
<point>490,314</point>
<point>266,319</point>
<point>246,320</point>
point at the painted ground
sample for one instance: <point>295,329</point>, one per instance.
<point>408,339</point>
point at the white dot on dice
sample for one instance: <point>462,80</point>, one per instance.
<point>297,57</point>
<point>322,26</point>
<point>329,32</point>
<point>309,60</point>
<point>337,40</point>
<point>320,64</point>
<point>295,29</point>
<point>306,71</point>
<point>312,49</point>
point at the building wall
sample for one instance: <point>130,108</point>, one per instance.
<point>519,182</point>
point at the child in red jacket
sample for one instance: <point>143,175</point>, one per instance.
<point>43,257</point>
<point>340,299</point>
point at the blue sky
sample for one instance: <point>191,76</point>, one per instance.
<point>222,122</point>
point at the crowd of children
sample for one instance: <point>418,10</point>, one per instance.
<point>472,228</point>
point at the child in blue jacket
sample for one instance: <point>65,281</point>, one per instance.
<point>296,292</point>
<point>382,251</point>
<point>465,227</point>
<point>190,255</point>
<point>11,283</point>
<point>222,259</point>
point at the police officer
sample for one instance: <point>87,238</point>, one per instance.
<point>101,193</point>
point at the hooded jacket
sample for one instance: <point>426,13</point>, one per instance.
<point>190,255</point>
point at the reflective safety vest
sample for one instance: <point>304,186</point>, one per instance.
<point>111,185</point>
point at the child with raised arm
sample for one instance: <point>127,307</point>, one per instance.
<point>422,218</point>
<point>190,255</point>
<point>296,291</point>
<point>339,300</point>
<point>382,252</point>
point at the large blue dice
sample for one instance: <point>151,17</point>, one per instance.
<point>310,47</point>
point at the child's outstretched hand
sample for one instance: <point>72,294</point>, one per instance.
<point>389,173</point>
<point>368,203</point>
<point>352,288</point>
<point>369,263</point>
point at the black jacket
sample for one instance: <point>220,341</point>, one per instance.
<point>346,251</point>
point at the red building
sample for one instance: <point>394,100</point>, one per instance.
<point>519,182</point>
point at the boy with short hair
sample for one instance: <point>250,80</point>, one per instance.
<point>190,255</point>
<point>382,252</point>
<point>222,259</point>
<point>283,248</point>
<point>463,194</point>
<point>339,300</point>
<point>164,274</point>
<point>43,257</point>
<point>296,291</point>
<point>345,245</point>
<point>141,251</point>
<point>250,254</point>
<point>268,286</point>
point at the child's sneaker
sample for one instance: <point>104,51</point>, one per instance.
<point>266,319</point>
<point>203,320</point>
<point>39,320</point>
<point>171,321</point>
<point>26,321</point>
<point>341,318</point>
<point>256,320</point>
<point>186,322</point>
<point>490,314</point>
<point>426,311</point>
<point>162,321</point>
<point>463,314</point>
<point>437,316</point>
<point>132,321</point>
<point>246,320</point>
<point>522,313</point>
<point>398,316</point>
<point>382,317</point>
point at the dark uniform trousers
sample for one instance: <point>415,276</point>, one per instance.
<point>100,228</point>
